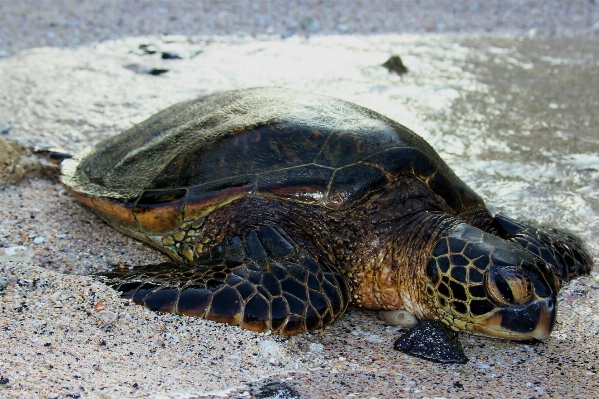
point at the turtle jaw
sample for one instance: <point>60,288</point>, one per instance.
<point>523,322</point>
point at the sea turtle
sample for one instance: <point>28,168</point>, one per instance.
<point>279,208</point>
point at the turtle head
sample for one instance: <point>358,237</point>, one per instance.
<point>481,283</point>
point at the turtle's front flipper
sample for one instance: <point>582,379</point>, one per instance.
<point>432,340</point>
<point>261,282</point>
<point>563,251</point>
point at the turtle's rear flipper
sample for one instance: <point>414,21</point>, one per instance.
<point>261,282</point>
<point>563,251</point>
<point>431,340</point>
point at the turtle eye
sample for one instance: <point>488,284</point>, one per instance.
<point>508,285</point>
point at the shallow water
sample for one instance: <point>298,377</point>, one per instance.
<point>546,167</point>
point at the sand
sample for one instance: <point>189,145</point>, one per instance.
<point>505,91</point>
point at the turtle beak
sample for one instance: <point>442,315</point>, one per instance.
<point>546,321</point>
<point>520,322</point>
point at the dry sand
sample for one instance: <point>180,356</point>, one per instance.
<point>514,116</point>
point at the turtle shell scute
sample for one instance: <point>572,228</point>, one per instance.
<point>194,157</point>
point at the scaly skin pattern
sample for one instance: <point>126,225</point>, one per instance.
<point>362,242</point>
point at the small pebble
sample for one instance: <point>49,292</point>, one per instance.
<point>288,31</point>
<point>16,250</point>
<point>17,254</point>
<point>401,318</point>
<point>315,347</point>
<point>342,28</point>
<point>270,349</point>
<point>170,56</point>
<point>55,296</point>
<point>310,24</point>
<point>107,317</point>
